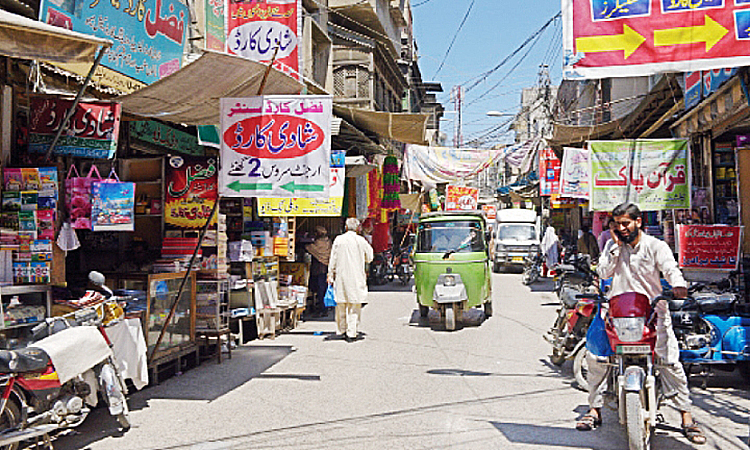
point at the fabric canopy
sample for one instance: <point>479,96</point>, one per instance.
<point>357,166</point>
<point>21,37</point>
<point>432,165</point>
<point>403,127</point>
<point>191,95</point>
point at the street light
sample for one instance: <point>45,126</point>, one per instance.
<point>500,114</point>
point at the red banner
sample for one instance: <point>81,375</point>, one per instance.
<point>549,172</point>
<point>92,131</point>
<point>191,191</point>
<point>606,38</point>
<point>260,30</point>
<point>709,246</point>
<point>461,198</point>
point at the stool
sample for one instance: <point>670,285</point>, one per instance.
<point>217,334</point>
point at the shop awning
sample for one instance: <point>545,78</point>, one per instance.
<point>191,95</point>
<point>403,127</point>
<point>357,166</point>
<point>21,37</point>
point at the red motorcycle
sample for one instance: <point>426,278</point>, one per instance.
<point>632,374</point>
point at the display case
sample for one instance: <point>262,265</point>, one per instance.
<point>726,204</point>
<point>211,305</point>
<point>180,330</point>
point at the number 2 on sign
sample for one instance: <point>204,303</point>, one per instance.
<point>254,166</point>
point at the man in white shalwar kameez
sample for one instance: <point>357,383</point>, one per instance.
<point>346,272</point>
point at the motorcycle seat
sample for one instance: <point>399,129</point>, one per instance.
<point>23,360</point>
<point>716,304</point>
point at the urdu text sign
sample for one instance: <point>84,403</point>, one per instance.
<point>625,38</point>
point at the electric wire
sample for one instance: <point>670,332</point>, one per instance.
<point>453,41</point>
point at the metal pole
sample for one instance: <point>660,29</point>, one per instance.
<point>72,109</point>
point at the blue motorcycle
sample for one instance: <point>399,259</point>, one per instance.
<point>712,327</point>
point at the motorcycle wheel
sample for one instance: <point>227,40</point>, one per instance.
<point>403,275</point>
<point>11,418</point>
<point>450,318</point>
<point>423,311</point>
<point>581,369</point>
<point>557,357</point>
<point>638,433</point>
<point>558,352</point>
<point>526,278</point>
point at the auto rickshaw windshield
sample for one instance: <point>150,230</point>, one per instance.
<point>455,237</point>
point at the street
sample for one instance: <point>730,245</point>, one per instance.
<point>409,385</point>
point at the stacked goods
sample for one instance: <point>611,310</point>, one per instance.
<point>20,314</point>
<point>29,201</point>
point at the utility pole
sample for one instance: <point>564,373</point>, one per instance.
<point>457,98</point>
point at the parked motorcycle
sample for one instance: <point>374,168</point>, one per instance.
<point>578,294</point>
<point>403,267</point>
<point>532,268</point>
<point>381,268</point>
<point>38,398</point>
<point>711,327</point>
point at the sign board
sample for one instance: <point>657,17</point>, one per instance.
<point>574,173</point>
<point>276,146</point>
<point>257,28</point>
<point>215,34</point>
<point>490,211</point>
<point>92,130</point>
<point>461,198</point>
<point>149,37</point>
<point>654,174</point>
<point>549,172</point>
<point>628,38</point>
<point>165,136</point>
<point>330,207</point>
<point>709,246</point>
<point>190,191</point>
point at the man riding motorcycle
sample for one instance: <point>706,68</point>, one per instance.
<point>634,260</point>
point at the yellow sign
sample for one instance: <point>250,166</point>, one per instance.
<point>271,207</point>
<point>188,213</point>
<point>710,32</point>
<point>628,41</point>
<point>104,76</point>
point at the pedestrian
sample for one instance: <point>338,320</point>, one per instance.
<point>587,243</point>
<point>606,235</point>
<point>550,248</point>
<point>320,249</point>
<point>346,272</point>
<point>634,259</point>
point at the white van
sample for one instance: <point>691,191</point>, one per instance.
<point>517,235</point>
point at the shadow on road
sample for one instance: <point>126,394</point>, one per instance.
<point>545,437</point>
<point>471,318</point>
<point>543,285</point>
<point>394,286</point>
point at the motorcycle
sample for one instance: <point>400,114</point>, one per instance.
<point>532,268</point>
<point>632,376</point>
<point>577,305</point>
<point>381,268</point>
<point>711,327</point>
<point>38,397</point>
<point>402,264</point>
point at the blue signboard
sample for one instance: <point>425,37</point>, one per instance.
<point>148,35</point>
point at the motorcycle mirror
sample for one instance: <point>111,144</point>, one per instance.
<point>97,278</point>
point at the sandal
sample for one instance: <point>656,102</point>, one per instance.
<point>588,423</point>
<point>694,434</point>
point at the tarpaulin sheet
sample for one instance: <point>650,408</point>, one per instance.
<point>403,127</point>
<point>21,37</point>
<point>191,95</point>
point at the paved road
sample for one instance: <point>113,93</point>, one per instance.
<point>407,385</point>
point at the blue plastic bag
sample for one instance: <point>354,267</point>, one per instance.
<point>597,341</point>
<point>329,301</point>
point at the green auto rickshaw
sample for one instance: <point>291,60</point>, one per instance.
<point>452,264</point>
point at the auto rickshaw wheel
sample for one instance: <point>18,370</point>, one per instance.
<point>450,317</point>
<point>488,309</point>
<point>423,311</point>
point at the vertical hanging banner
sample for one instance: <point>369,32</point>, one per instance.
<point>549,172</point>
<point>276,146</point>
<point>654,174</point>
<point>628,38</point>
<point>92,130</point>
<point>257,28</point>
<point>215,34</point>
<point>461,198</point>
<point>190,191</point>
<point>574,173</point>
<point>149,37</point>
<point>709,246</point>
<point>323,207</point>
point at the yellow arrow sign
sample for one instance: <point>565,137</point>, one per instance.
<point>628,42</point>
<point>710,32</point>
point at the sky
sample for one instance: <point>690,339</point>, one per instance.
<point>492,30</point>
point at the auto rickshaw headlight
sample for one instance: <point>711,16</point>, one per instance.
<point>449,280</point>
